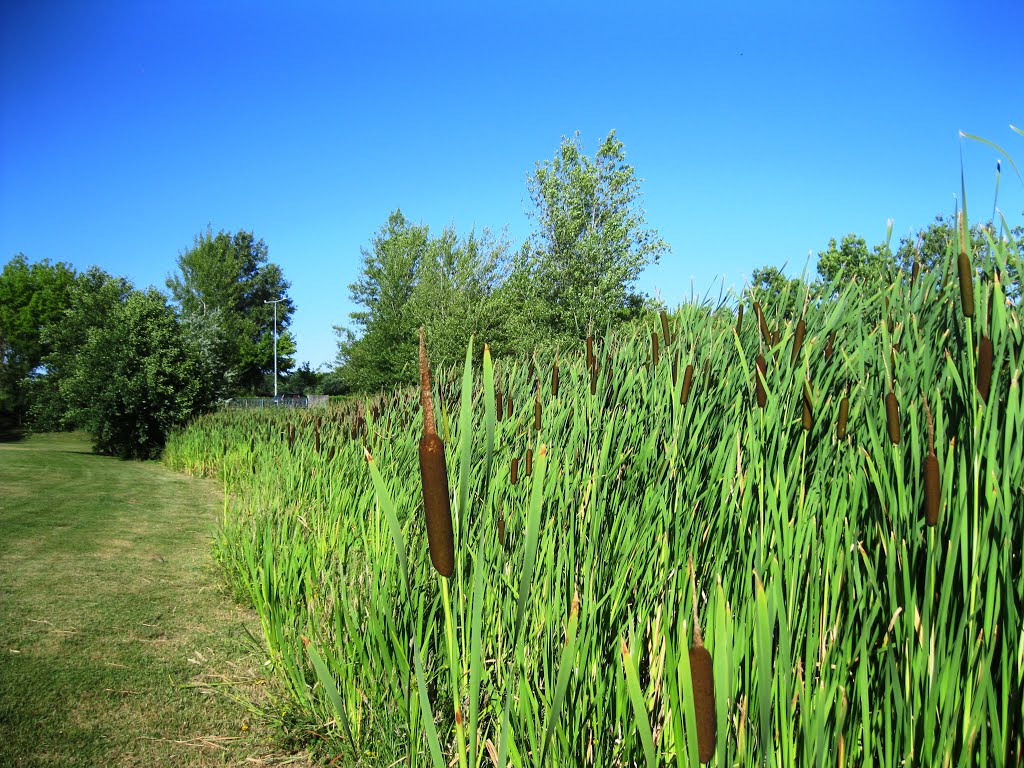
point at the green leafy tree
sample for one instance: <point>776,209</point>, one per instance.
<point>221,288</point>
<point>384,352</point>
<point>135,377</point>
<point>457,294</point>
<point>32,297</point>
<point>590,239</point>
<point>853,258</point>
<point>781,297</point>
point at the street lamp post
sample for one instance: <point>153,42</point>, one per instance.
<point>275,302</point>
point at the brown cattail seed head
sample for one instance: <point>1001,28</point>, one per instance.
<point>739,320</point>
<point>892,418</point>
<point>914,272</point>
<point>766,334</point>
<point>664,327</point>
<point>554,381</point>
<point>434,476</point>
<point>703,680</point>
<point>798,341</point>
<point>829,345</point>
<point>515,471</point>
<point>702,677</point>
<point>808,417</point>
<point>654,348</point>
<point>501,530</point>
<point>536,413</point>
<point>844,414</point>
<point>931,489</point>
<point>687,383</point>
<point>591,360</point>
<point>984,375</point>
<point>966,284</point>
<point>675,369</point>
<point>499,405</point>
<point>529,461</point>
<point>759,376</point>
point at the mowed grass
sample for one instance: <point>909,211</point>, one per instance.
<point>118,645</point>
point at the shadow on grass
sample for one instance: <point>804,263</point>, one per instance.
<point>11,434</point>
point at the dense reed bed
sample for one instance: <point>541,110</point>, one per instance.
<point>794,463</point>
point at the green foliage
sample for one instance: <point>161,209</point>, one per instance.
<point>780,297</point>
<point>32,297</point>
<point>221,289</point>
<point>123,371</point>
<point>385,352</point>
<point>448,284</point>
<point>590,240</point>
<point>871,267</point>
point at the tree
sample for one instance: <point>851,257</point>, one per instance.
<point>32,297</point>
<point>456,294</point>
<point>781,298</point>
<point>852,256</point>
<point>135,377</point>
<point>590,240</point>
<point>221,289</point>
<point>385,352</point>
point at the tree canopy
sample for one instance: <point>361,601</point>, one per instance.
<point>590,240</point>
<point>221,288</point>
<point>32,297</point>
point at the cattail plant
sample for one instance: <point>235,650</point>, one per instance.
<point>664,328</point>
<point>684,395</point>
<point>808,416</point>
<point>703,679</point>
<point>514,471</point>
<point>434,476</point>
<point>554,380</point>
<point>529,461</point>
<point>798,341</point>
<point>966,284</point>
<point>654,349</point>
<point>766,333</point>
<point>759,376</point>
<point>984,364</point>
<point>892,417</point>
<point>915,270</point>
<point>830,345</point>
<point>739,320</point>
<point>844,414</point>
<point>499,405</point>
<point>536,412</point>
<point>591,360</point>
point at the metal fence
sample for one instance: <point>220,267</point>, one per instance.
<point>284,401</point>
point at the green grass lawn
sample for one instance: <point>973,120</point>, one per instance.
<point>118,644</point>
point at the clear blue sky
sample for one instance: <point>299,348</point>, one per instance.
<point>761,129</point>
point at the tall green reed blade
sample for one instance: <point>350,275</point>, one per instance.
<point>525,583</point>
<point>636,699</point>
<point>327,681</point>
<point>476,654</point>
<point>490,412</point>
<point>565,668</point>
<point>465,442</point>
